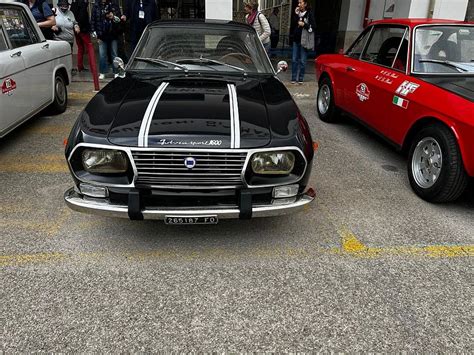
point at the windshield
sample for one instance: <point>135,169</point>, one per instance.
<point>216,50</point>
<point>444,50</point>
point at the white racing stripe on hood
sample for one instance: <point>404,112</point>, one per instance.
<point>234,117</point>
<point>148,116</point>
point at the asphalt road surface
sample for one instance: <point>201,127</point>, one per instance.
<point>368,267</point>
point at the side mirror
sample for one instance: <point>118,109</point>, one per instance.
<point>282,66</point>
<point>120,65</point>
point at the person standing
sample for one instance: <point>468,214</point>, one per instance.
<point>106,26</point>
<point>83,39</point>
<point>140,13</point>
<point>259,22</point>
<point>43,15</point>
<point>66,24</point>
<point>305,21</point>
<point>274,22</point>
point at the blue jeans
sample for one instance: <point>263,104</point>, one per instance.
<point>267,47</point>
<point>298,62</point>
<point>103,58</point>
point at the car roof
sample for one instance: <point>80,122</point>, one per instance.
<point>412,22</point>
<point>224,24</point>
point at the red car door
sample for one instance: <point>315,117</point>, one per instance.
<point>376,77</point>
<point>347,75</point>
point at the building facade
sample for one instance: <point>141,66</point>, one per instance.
<point>340,21</point>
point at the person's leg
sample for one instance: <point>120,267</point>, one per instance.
<point>274,38</point>
<point>114,53</point>
<point>103,66</point>
<point>80,52</point>
<point>86,38</point>
<point>294,62</point>
<point>135,33</point>
<point>267,48</point>
<point>303,58</point>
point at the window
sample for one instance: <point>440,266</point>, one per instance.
<point>400,62</point>
<point>383,45</point>
<point>444,49</point>
<point>356,49</point>
<point>17,27</point>
<point>3,40</point>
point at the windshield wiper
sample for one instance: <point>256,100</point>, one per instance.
<point>202,60</point>
<point>161,62</point>
<point>445,62</point>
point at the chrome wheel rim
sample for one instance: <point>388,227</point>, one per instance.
<point>324,99</point>
<point>60,92</point>
<point>427,162</point>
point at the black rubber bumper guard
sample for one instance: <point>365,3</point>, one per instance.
<point>135,204</point>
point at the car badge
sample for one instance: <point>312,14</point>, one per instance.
<point>189,162</point>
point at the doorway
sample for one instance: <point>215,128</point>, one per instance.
<point>181,9</point>
<point>326,14</point>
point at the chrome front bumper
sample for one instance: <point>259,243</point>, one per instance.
<point>104,208</point>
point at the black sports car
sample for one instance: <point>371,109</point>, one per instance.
<point>197,127</point>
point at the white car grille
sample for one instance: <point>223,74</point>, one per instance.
<point>168,169</point>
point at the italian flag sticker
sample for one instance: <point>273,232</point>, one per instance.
<point>400,102</point>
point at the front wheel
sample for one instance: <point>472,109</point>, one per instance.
<point>327,111</point>
<point>59,104</point>
<point>435,167</point>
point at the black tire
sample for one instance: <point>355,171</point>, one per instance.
<point>59,104</point>
<point>435,152</point>
<point>327,110</point>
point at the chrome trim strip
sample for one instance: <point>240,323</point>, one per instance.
<point>148,116</point>
<point>128,151</point>
<point>104,208</point>
<point>231,109</point>
<point>235,105</point>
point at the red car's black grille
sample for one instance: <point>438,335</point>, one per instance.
<point>168,169</point>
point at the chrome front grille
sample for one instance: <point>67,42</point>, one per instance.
<point>167,169</point>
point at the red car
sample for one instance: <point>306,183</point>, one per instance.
<point>411,81</point>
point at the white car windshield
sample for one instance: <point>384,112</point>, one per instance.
<point>204,49</point>
<point>444,50</point>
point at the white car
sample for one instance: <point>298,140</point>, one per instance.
<point>34,72</point>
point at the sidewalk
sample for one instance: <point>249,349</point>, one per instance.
<point>86,76</point>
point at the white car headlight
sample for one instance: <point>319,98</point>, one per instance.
<point>104,161</point>
<point>273,163</point>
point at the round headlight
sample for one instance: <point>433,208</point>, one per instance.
<point>104,161</point>
<point>273,163</point>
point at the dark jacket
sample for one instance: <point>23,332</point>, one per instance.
<point>132,7</point>
<point>309,22</point>
<point>80,10</point>
<point>106,30</point>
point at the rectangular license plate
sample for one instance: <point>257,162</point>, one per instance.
<point>191,220</point>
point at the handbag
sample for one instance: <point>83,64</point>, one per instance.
<point>307,39</point>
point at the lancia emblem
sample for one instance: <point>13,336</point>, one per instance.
<point>189,162</point>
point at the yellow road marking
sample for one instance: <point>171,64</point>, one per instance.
<point>33,164</point>
<point>49,227</point>
<point>6,260</point>
<point>80,95</point>
<point>351,246</point>
<point>354,247</point>
<point>61,130</point>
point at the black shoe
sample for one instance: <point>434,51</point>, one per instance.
<point>84,69</point>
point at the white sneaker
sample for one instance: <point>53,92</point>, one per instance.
<point>116,75</point>
<point>101,76</point>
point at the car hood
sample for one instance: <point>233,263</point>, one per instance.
<point>462,86</point>
<point>187,112</point>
